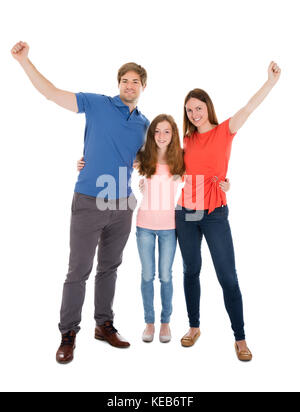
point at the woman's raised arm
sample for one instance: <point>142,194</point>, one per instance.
<point>237,121</point>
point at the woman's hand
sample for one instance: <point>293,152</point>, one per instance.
<point>225,186</point>
<point>80,164</point>
<point>135,164</point>
<point>274,72</point>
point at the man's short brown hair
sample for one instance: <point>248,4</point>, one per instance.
<point>128,67</point>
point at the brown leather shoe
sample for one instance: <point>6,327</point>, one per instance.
<point>108,333</point>
<point>188,341</point>
<point>243,355</point>
<point>65,353</point>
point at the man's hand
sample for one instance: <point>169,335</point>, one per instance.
<point>65,99</point>
<point>80,164</point>
<point>20,51</point>
<point>142,185</point>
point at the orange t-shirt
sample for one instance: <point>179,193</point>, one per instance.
<point>206,157</point>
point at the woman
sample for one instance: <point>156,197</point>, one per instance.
<point>160,161</point>
<point>202,208</point>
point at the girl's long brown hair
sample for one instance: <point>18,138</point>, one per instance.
<point>147,156</point>
<point>188,128</point>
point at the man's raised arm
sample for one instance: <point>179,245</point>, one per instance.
<point>63,98</point>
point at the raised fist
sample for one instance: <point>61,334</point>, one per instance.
<point>20,51</point>
<point>274,72</point>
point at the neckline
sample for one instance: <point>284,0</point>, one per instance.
<point>119,102</point>
<point>209,131</point>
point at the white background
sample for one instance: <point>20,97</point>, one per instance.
<point>223,47</point>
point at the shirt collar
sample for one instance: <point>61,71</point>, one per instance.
<point>118,102</point>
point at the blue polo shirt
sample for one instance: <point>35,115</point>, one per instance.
<point>112,139</point>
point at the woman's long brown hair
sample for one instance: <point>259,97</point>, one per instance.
<point>188,128</point>
<point>147,156</point>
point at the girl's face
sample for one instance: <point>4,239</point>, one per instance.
<point>163,134</point>
<point>196,111</point>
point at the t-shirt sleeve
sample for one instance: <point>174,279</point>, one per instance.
<point>185,143</point>
<point>226,130</point>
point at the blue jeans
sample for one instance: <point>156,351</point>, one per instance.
<point>216,230</point>
<point>167,242</point>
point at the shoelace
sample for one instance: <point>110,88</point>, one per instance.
<point>67,340</point>
<point>110,329</point>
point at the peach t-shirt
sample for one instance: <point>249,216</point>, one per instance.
<point>157,209</point>
<point>206,157</point>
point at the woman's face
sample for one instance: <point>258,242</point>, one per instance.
<point>163,134</point>
<point>196,111</point>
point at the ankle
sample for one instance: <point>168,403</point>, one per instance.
<point>241,344</point>
<point>193,331</point>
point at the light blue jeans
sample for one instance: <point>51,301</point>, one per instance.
<point>167,241</point>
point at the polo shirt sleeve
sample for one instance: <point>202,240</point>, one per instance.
<point>83,102</point>
<point>87,102</point>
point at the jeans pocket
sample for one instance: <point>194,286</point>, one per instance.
<point>180,214</point>
<point>84,202</point>
<point>74,202</point>
<point>218,213</point>
<point>225,211</point>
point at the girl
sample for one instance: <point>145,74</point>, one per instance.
<point>202,208</point>
<point>161,162</point>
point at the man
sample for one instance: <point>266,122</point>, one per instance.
<point>115,131</point>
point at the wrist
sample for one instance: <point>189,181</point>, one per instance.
<point>24,62</point>
<point>271,83</point>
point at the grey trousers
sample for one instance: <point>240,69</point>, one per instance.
<point>91,227</point>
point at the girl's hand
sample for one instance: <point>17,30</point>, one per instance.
<point>142,185</point>
<point>274,72</point>
<point>225,186</point>
<point>80,164</point>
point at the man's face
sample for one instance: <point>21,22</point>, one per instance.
<point>130,87</point>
